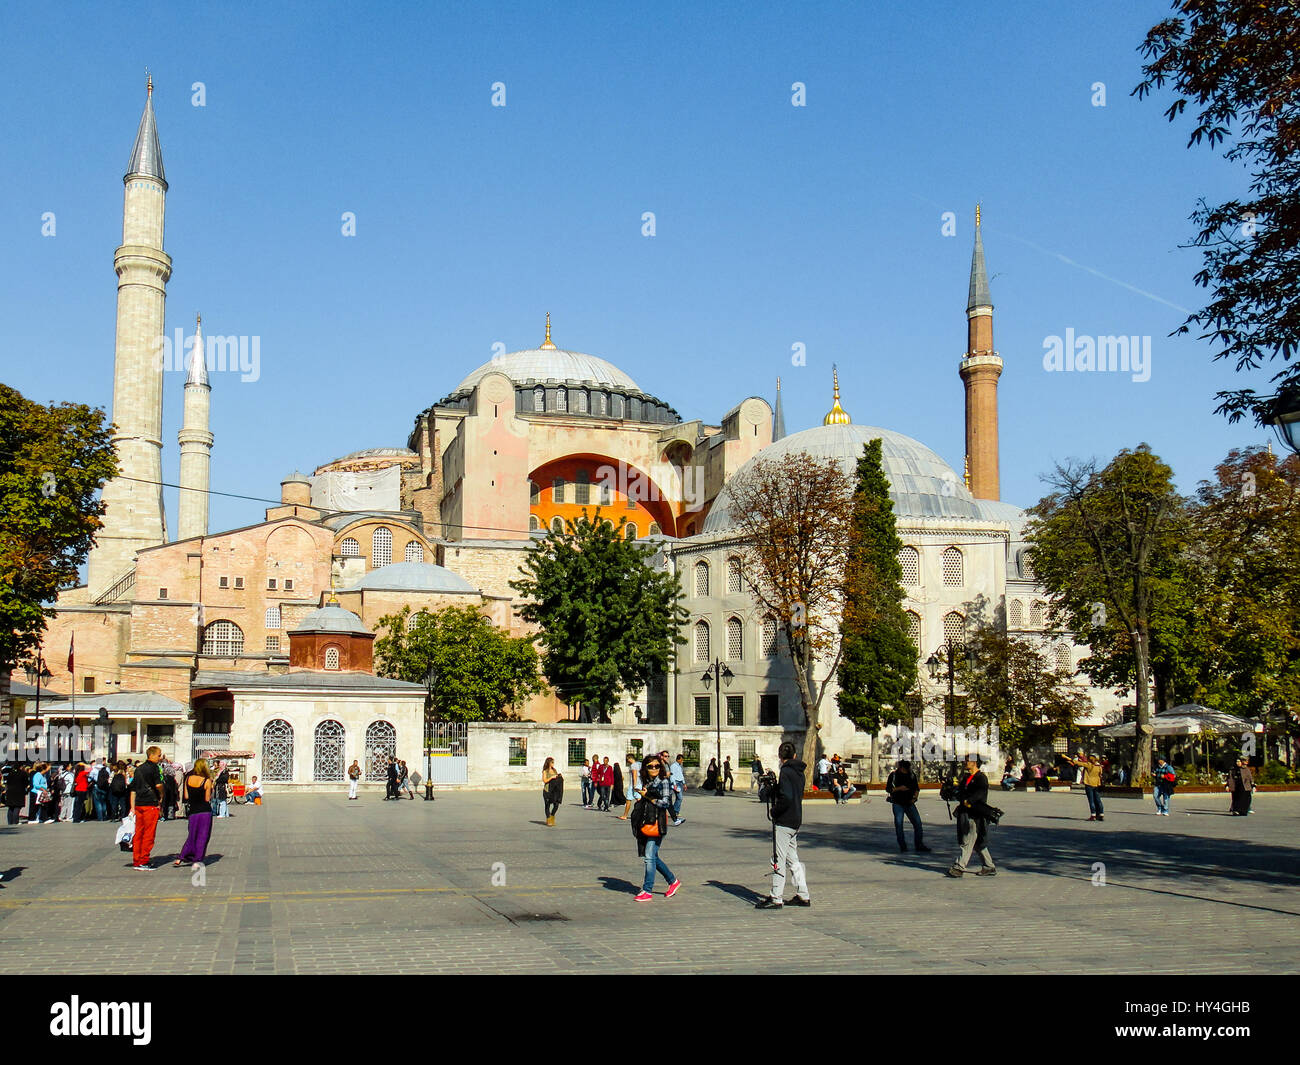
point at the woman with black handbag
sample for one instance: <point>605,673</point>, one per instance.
<point>650,826</point>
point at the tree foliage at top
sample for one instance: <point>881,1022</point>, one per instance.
<point>878,664</point>
<point>1238,62</point>
<point>795,515</point>
<point>1108,545</point>
<point>609,621</point>
<point>479,673</point>
<point>52,462</point>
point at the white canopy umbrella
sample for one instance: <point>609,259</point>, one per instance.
<point>1186,720</point>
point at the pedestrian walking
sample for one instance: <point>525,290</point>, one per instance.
<point>650,827</point>
<point>1241,783</point>
<point>711,776</point>
<point>1091,772</point>
<point>354,778</point>
<point>902,789</point>
<point>728,779</point>
<point>199,787</point>
<point>619,797</point>
<point>117,791</point>
<point>606,784</point>
<point>146,799</point>
<point>785,811</point>
<point>755,771</point>
<point>633,777</point>
<point>588,788</point>
<point>973,816</point>
<point>100,780</point>
<point>552,790</point>
<point>221,790</point>
<point>390,790</point>
<point>1163,782</point>
<point>17,786</point>
<point>677,774</point>
<point>404,782</point>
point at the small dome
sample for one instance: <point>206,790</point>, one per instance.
<point>545,364</point>
<point>413,577</point>
<point>331,619</point>
<point>296,478</point>
<point>921,484</point>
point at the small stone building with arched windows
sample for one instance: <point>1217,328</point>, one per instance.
<point>306,727</point>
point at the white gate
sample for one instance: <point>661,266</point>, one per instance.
<point>446,746</point>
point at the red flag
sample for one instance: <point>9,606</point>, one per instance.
<point>71,642</point>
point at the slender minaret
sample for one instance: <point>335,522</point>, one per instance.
<point>778,416</point>
<point>196,444</point>
<point>980,368</point>
<point>134,516</point>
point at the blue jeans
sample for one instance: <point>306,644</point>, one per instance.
<point>654,862</point>
<point>586,791</point>
<point>1094,800</point>
<point>1162,800</point>
<point>908,810</point>
<point>678,796</point>
<point>100,799</point>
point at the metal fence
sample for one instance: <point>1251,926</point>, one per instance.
<point>446,745</point>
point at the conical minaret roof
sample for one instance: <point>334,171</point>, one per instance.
<point>979,276</point>
<point>778,417</point>
<point>198,366</point>
<point>146,154</point>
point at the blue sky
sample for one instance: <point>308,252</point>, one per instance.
<point>775,225</point>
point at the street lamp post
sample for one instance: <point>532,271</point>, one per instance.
<point>725,676</point>
<point>1283,414</point>
<point>950,648</point>
<point>37,672</point>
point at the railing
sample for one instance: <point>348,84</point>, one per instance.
<point>118,589</point>
<point>211,741</point>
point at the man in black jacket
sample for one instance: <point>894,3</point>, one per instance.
<point>902,789</point>
<point>972,827</point>
<point>785,808</point>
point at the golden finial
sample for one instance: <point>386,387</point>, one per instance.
<point>148,81</point>
<point>546,344</point>
<point>199,318</point>
<point>977,215</point>
<point>966,473</point>
<point>837,415</point>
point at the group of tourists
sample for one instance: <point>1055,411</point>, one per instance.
<point>833,775</point>
<point>606,786</point>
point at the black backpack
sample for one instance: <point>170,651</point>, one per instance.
<point>102,779</point>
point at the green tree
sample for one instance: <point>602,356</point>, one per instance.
<point>476,672</point>
<point>1236,61</point>
<point>53,461</point>
<point>878,665</point>
<point>794,515</point>
<point>1014,686</point>
<point>609,620</point>
<point>1108,547</point>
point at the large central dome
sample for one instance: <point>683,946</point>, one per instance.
<point>551,364</point>
<point>921,484</point>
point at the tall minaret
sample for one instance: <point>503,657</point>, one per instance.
<point>196,444</point>
<point>134,516</point>
<point>778,416</point>
<point>980,369</point>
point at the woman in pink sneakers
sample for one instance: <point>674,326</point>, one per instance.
<point>650,826</point>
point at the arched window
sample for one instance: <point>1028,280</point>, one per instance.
<point>914,628</point>
<point>412,619</point>
<point>534,493</point>
<point>561,399</point>
<point>954,627</point>
<point>629,531</point>
<point>534,523</point>
<point>557,525</point>
<point>910,559</point>
<point>1026,567</point>
<point>557,490</point>
<point>602,404</point>
<point>952,568</point>
<point>539,398</point>
<point>331,658</point>
<point>1016,614</point>
<point>733,576</point>
<point>381,748</point>
<point>415,551</point>
<point>735,639</point>
<point>769,637</point>
<point>701,578</point>
<point>654,529</point>
<point>608,525</point>
<point>223,638</point>
<point>381,547</point>
<point>582,401</point>
<point>1064,660</point>
<point>582,488</point>
<point>349,548</point>
<point>277,750</point>
<point>1036,615</point>
<point>701,641</point>
<point>272,617</point>
<point>329,750</point>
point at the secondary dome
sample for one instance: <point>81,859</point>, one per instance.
<point>413,577</point>
<point>547,364</point>
<point>921,484</point>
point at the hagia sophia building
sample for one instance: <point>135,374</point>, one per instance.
<point>265,631</point>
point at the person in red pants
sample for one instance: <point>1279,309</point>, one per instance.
<point>146,795</point>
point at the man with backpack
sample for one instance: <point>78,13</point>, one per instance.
<point>1164,780</point>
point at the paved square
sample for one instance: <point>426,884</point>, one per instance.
<point>317,884</point>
